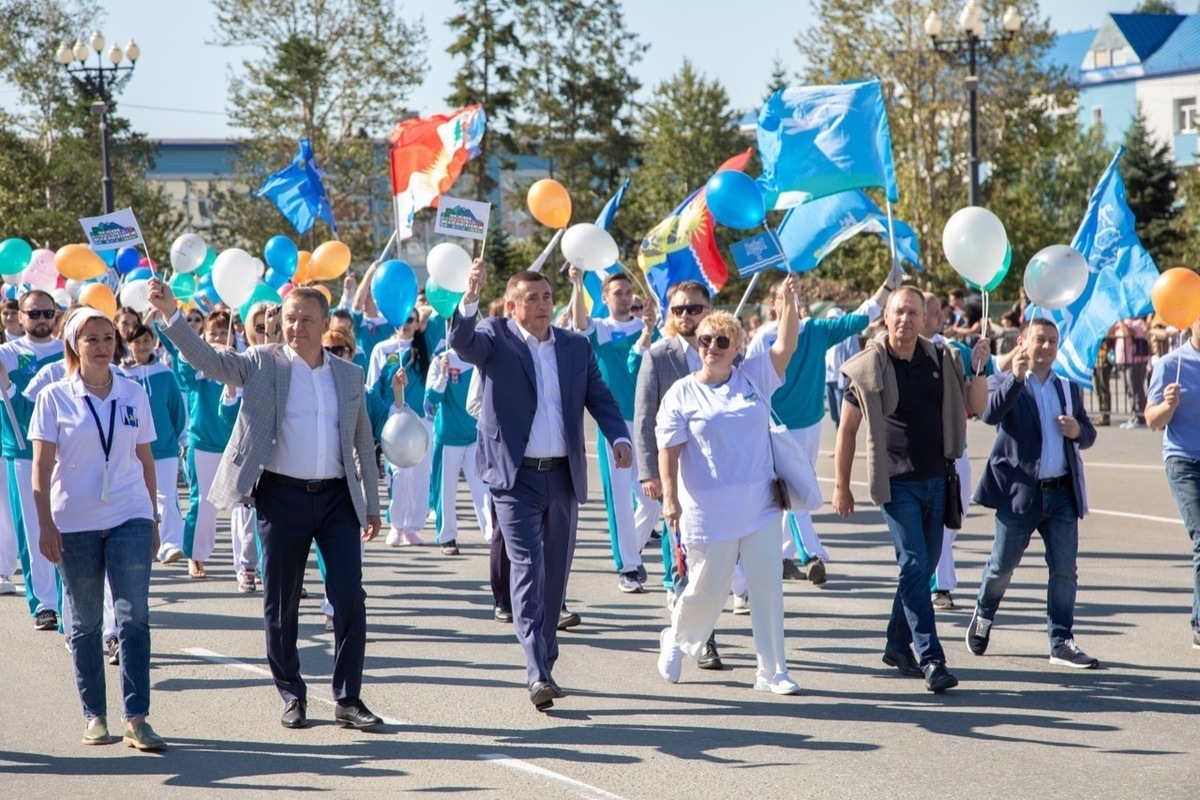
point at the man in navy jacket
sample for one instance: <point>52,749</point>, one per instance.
<point>537,381</point>
<point>1034,481</point>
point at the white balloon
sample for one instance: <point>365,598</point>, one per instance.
<point>450,266</point>
<point>188,252</point>
<point>61,298</point>
<point>1056,276</point>
<point>404,439</point>
<point>975,242</point>
<point>589,247</point>
<point>136,295</point>
<point>73,287</point>
<point>234,276</point>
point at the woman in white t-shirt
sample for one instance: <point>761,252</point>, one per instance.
<point>94,487</point>
<point>717,473</point>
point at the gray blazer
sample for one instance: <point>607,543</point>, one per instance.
<point>662,365</point>
<point>265,375</point>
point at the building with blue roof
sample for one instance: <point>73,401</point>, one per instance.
<point>1151,61</point>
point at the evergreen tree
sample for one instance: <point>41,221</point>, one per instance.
<point>1155,7</point>
<point>779,79</point>
<point>1151,184</point>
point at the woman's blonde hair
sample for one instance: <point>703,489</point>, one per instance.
<point>722,323</point>
<point>70,354</point>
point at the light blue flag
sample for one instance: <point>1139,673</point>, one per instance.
<point>812,231</point>
<point>593,282</point>
<point>1120,276</point>
<point>821,140</point>
<point>298,192</point>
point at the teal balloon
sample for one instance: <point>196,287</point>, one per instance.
<point>206,266</point>
<point>14,256</point>
<point>1000,275</point>
<point>183,284</point>
<point>394,287</point>
<point>261,294</point>
<point>443,301</point>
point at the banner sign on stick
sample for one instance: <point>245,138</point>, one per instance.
<point>758,253</point>
<point>465,218</point>
<point>111,231</point>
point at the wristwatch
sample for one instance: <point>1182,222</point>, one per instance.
<point>158,518</point>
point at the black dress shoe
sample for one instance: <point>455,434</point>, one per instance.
<point>502,614</point>
<point>295,714</point>
<point>353,714</point>
<point>904,661</point>
<point>709,658</point>
<point>568,619</point>
<point>542,695</point>
<point>938,678</point>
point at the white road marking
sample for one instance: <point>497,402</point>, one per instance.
<point>499,759</point>
<point>581,789</point>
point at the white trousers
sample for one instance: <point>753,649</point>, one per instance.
<point>947,576</point>
<point>457,459</point>
<point>634,523</point>
<point>243,525</point>
<point>810,440</point>
<point>170,530</point>
<point>409,506</point>
<point>710,572</point>
<point>204,537</point>
<point>43,577</point>
<point>9,561</point>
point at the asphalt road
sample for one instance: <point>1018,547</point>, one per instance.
<point>450,682</point>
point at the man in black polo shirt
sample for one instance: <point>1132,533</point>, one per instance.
<point>914,398</point>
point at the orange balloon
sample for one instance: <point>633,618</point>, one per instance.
<point>99,297</point>
<point>77,262</point>
<point>1176,297</point>
<point>329,261</point>
<point>325,291</point>
<point>549,203</point>
<point>300,276</point>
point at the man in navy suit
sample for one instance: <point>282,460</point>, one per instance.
<point>1034,480</point>
<point>537,381</point>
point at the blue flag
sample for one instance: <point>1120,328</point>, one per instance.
<point>820,140</point>
<point>811,231</point>
<point>298,193</point>
<point>1120,276</point>
<point>593,282</point>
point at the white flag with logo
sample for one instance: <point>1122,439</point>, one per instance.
<point>110,231</point>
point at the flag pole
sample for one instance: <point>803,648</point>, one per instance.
<point>746,296</point>
<point>892,236</point>
<point>12,417</point>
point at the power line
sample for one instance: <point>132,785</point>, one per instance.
<point>176,110</point>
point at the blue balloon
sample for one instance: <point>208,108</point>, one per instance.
<point>275,279</point>
<point>394,287</point>
<point>109,257</point>
<point>205,290</point>
<point>281,255</point>
<point>139,274</point>
<point>127,259</point>
<point>735,200</point>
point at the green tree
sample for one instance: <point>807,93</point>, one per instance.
<point>1154,7</point>
<point>779,79</point>
<point>338,74</point>
<point>1151,185</point>
<point>50,140</point>
<point>1188,251</point>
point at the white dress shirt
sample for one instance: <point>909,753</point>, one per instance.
<point>310,445</point>
<point>548,434</point>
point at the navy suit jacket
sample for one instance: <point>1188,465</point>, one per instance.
<point>1009,481</point>
<point>510,397</point>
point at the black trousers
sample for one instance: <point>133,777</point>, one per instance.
<point>290,519</point>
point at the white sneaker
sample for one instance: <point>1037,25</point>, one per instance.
<point>394,538</point>
<point>411,538</point>
<point>780,684</point>
<point>6,585</point>
<point>741,604</point>
<point>170,554</point>
<point>670,657</point>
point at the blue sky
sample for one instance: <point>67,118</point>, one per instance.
<point>179,89</point>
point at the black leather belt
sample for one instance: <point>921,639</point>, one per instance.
<point>545,464</point>
<point>1053,483</point>
<point>307,485</point>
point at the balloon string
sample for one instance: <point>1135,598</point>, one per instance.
<point>1179,361</point>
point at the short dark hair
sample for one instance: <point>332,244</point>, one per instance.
<point>524,276</point>
<point>691,287</point>
<point>309,293</point>
<point>1029,323</point>
<point>37,293</point>
<point>10,305</point>
<point>616,276</point>
<point>959,293</point>
<point>140,331</point>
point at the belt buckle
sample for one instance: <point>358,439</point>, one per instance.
<point>313,486</point>
<point>544,464</point>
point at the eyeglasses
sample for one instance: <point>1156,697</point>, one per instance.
<point>339,350</point>
<point>37,313</point>
<point>260,329</point>
<point>691,309</point>
<point>637,309</point>
<point>708,340</point>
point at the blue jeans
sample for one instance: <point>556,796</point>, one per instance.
<point>915,518</point>
<point>1183,475</point>
<point>1053,515</point>
<point>122,554</point>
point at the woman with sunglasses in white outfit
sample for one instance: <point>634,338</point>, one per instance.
<point>717,475</point>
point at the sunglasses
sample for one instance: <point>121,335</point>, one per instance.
<point>637,309</point>
<point>339,350</point>
<point>36,313</point>
<point>691,309</point>
<point>195,320</point>
<point>707,340</point>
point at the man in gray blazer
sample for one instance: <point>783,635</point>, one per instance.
<point>302,452</point>
<point>668,361</point>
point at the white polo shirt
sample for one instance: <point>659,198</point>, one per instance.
<point>61,417</point>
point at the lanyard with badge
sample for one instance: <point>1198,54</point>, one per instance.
<point>105,444</point>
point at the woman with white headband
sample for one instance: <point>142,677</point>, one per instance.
<point>94,487</point>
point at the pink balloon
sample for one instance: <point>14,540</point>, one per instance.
<point>41,272</point>
<point>285,290</point>
<point>148,262</point>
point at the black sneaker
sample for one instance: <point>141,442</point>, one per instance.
<point>816,571</point>
<point>450,548</point>
<point>979,631</point>
<point>502,614</point>
<point>942,601</point>
<point>1196,640</point>
<point>938,678</point>
<point>791,572</point>
<point>114,652</point>
<point>46,620</point>
<point>1068,654</point>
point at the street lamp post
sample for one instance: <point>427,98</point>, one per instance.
<point>98,83</point>
<point>972,46</point>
